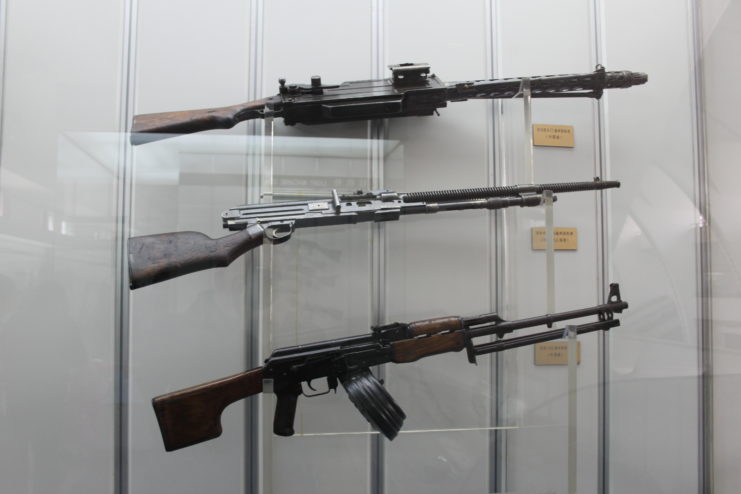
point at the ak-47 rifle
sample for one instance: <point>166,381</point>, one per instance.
<point>160,257</point>
<point>192,415</point>
<point>411,91</point>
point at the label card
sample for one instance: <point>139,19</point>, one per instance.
<point>561,136</point>
<point>555,353</point>
<point>563,238</point>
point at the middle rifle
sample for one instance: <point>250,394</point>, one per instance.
<point>160,257</point>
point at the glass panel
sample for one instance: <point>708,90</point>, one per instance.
<point>535,398</point>
<point>58,243</point>
<point>317,286</point>
<point>721,40</point>
<point>70,72</point>
<point>653,440</point>
<point>194,328</point>
<point>440,265</point>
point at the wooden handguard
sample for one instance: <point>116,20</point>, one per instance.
<point>155,126</point>
<point>414,349</point>
<point>429,327</point>
<point>193,415</point>
<point>155,258</point>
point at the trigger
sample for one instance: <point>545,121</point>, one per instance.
<point>308,383</point>
<point>279,233</point>
<point>332,383</point>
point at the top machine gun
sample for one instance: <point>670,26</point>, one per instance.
<point>411,90</point>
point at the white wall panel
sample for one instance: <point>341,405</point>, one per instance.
<point>537,38</point>
<point>439,265</point>
<point>59,159</point>
<point>722,75</point>
<point>653,399</point>
<point>190,329</point>
<point>318,285</point>
<point>57,235</point>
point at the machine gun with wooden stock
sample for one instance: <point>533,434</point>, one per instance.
<point>192,415</point>
<point>160,257</point>
<point>411,91</point>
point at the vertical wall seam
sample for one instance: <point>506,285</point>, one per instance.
<point>704,288</point>
<point>497,440</point>
<point>492,251</point>
<point>377,130</point>
<point>507,282</point>
<point>3,58</point>
<point>491,181</point>
<point>253,478</point>
<point>602,230</point>
<point>123,228</point>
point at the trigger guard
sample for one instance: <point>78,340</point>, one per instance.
<point>279,233</point>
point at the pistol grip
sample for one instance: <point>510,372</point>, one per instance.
<point>285,408</point>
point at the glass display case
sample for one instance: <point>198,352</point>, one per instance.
<point>646,407</point>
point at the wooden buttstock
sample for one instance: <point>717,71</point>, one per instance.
<point>414,349</point>
<point>155,258</point>
<point>155,126</point>
<point>193,415</point>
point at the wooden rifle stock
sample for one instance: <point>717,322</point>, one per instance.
<point>155,258</point>
<point>155,126</point>
<point>193,415</point>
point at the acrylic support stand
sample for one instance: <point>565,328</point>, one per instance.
<point>529,163</point>
<point>527,98</point>
<point>550,258</point>
<point>572,357</point>
<point>550,263</point>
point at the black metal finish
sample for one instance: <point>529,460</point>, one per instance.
<point>192,415</point>
<point>413,91</point>
<point>409,74</point>
<point>508,190</point>
<point>348,359</point>
<point>604,312</point>
<point>550,86</point>
<point>374,402</point>
<point>555,334</point>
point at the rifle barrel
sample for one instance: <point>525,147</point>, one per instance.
<point>577,85</point>
<point>490,203</point>
<point>480,319</point>
<point>501,328</point>
<point>506,191</point>
<point>555,334</point>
